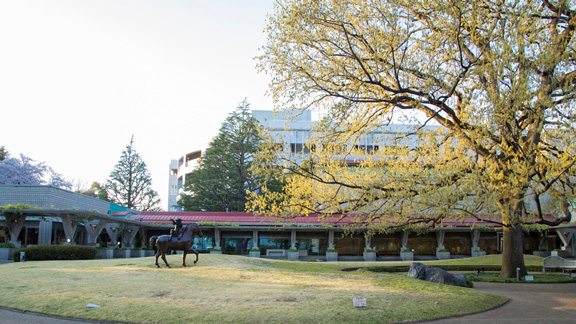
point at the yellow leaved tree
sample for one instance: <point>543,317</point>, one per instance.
<point>497,77</point>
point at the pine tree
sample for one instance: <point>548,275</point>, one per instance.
<point>130,183</point>
<point>222,177</point>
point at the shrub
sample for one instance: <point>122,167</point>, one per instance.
<point>293,250</point>
<point>443,250</point>
<point>57,252</point>
<point>7,245</point>
<point>331,250</point>
<point>251,250</point>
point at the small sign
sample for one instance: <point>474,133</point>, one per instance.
<point>360,302</point>
<point>529,278</point>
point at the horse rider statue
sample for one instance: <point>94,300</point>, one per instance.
<point>176,232</point>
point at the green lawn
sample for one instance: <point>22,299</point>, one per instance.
<point>231,289</point>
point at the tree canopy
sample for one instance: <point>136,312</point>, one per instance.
<point>130,183</point>
<point>27,171</point>
<point>222,176</point>
<point>498,77</point>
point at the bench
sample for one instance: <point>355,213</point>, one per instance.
<point>556,262</point>
<point>270,252</point>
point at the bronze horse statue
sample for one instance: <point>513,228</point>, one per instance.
<point>164,243</point>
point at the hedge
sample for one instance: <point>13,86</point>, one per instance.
<point>56,252</point>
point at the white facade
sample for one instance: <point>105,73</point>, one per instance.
<point>179,169</point>
<point>292,129</point>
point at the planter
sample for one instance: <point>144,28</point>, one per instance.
<point>478,253</point>
<point>120,254</point>
<point>303,253</point>
<point>293,255</point>
<point>104,254</point>
<point>149,253</point>
<point>369,256</point>
<point>215,251</point>
<point>407,256</point>
<point>331,256</point>
<point>542,254</point>
<point>443,255</point>
<point>562,254</point>
<point>254,254</point>
<point>6,253</point>
<point>137,254</point>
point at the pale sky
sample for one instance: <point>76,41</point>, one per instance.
<point>78,78</point>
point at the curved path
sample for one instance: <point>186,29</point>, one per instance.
<point>528,304</point>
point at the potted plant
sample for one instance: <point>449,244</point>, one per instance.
<point>293,254</point>
<point>443,254</point>
<point>104,253</point>
<point>216,251</point>
<point>254,253</point>
<point>478,252</point>
<point>369,255</point>
<point>407,255</point>
<point>122,253</point>
<point>6,250</point>
<point>540,253</point>
<point>331,255</point>
<point>137,253</point>
<point>560,253</point>
<point>149,252</point>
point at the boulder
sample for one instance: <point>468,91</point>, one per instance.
<point>437,275</point>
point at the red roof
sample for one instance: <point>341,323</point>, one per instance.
<point>252,219</point>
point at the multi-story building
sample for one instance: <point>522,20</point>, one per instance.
<point>179,169</point>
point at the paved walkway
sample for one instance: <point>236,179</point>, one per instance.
<point>529,304</point>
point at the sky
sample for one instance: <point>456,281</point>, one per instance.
<point>79,78</point>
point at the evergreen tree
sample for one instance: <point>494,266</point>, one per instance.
<point>222,177</point>
<point>130,183</point>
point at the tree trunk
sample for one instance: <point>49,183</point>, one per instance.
<point>512,252</point>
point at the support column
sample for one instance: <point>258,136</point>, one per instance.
<point>440,240</point>
<point>129,236</point>
<point>475,239</point>
<point>293,240</point>
<point>255,239</point>
<point>94,229</point>
<point>70,225</point>
<point>367,242</point>
<point>113,230</point>
<point>566,236</point>
<point>217,238</point>
<point>405,240</point>
<point>15,224</point>
<point>331,239</point>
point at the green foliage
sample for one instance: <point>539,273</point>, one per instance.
<point>497,77</point>
<point>7,245</point>
<point>130,183</point>
<point>3,153</point>
<point>222,176</point>
<point>57,252</point>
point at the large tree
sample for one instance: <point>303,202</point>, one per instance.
<point>222,176</point>
<point>498,76</point>
<point>130,183</point>
<point>26,171</point>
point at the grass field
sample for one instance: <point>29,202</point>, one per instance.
<point>229,289</point>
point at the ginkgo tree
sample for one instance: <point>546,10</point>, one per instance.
<point>498,78</point>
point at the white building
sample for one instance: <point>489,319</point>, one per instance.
<point>179,169</point>
<point>292,129</point>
